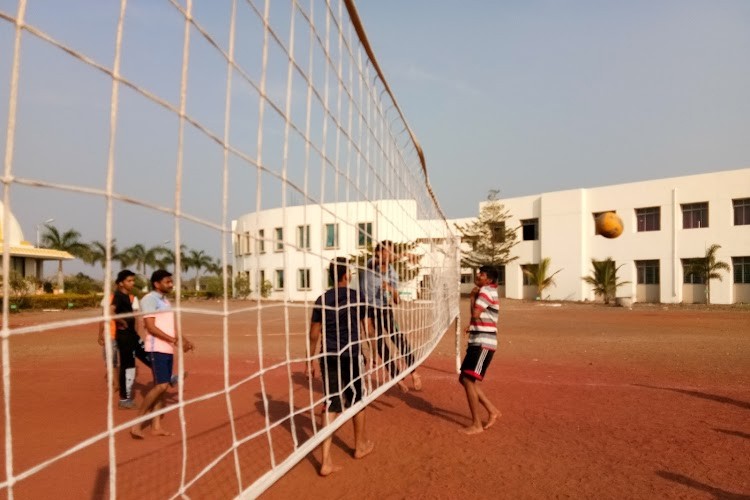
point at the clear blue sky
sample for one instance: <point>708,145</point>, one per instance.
<point>524,96</point>
<point>535,96</point>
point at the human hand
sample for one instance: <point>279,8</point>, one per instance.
<point>474,292</point>
<point>187,346</point>
<point>100,340</point>
<point>310,371</point>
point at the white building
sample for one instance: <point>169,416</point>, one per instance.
<point>292,247</point>
<point>666,223</point>
<point>25,259</point>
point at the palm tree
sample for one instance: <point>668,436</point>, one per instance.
<point>136,255</point>
<point>707,268</point>
<point>69,241</point>
<point>537,274</point>
<point>98,254</point>
<point>199,260</point>
<point>603,279</point>
<point>168,258</point>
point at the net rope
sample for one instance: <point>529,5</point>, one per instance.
<point>335,164</point>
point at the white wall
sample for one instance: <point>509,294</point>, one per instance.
<point>566,230</point>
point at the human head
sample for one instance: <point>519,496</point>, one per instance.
<point>123,275</point>
<point>338,269</point>
<point>490,273</point>
<point>161,281</point>
<point>384,250</point>
<point>126,279</point>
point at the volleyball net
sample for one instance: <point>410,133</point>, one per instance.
<point>241,145</point>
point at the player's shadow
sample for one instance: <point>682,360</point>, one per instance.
<point>734,433</point>
<point>421,404</point>
<point>278,411</point>
<point>692,483</point>
<point>702,395</point>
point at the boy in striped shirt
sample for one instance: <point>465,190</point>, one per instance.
<point>482,330</point>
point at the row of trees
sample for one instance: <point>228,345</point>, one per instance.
<point>491,243</point>
<point>138,256</point>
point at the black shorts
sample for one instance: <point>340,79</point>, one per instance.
<point>342,382</point>
<point>476,362</point>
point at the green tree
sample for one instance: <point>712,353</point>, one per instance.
<point>97,254</point>
<point>708,268</point>
<point>198,260</point>
<point>603,279</point>
<point>143,258</point>
<point>68,241</point>
<point>168,258</point>
<point>538,275</point>
<point>490,237</point>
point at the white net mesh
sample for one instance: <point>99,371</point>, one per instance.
<point>262,133</point>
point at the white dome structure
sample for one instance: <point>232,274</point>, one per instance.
<point>26,259</point>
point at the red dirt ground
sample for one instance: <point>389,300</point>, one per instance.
<point>597,402</point>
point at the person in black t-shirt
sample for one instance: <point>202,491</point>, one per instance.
<point>339,316</point>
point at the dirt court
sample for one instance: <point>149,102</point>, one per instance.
<point>597,402</point>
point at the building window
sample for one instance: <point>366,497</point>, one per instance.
<point>261,280</point>
<point>649,219</point>
<point>741,266</point>
<point>262,241</point>
<point>689,274</point>
<point>501,275</point>
<point>524,268</point>
<point>303,237</point>
<point>279,281</point>
<point>647,271</point>
<point>303,279</point>
<point>248,243</point>
<point>741,211</point>
<point>332,235</point>
<point>694,215</point>
<point>278,241</point>
<point>364,234</point>
<point>238,245</point>
<point>467,278</point>
<point>530,229</point>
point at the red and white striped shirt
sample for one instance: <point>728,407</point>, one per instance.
<point>483,330</point>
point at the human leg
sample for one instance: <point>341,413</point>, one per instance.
<point>161,367</point>
<point>473,400</point>
<point>126,343</point>
<point>326,463</point>
<point>492,411</point>
<point>150,402</point>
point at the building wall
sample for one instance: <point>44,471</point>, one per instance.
<point>567,233</point>
<point>395,220</point>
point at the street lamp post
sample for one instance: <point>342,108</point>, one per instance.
<point>38,231</point>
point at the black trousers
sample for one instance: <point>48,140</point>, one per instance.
<point>130,347</point>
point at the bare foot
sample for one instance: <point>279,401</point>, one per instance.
<point>161,432</point>
<point>492,419</point>
<point>471,430</point>
<point>136,432</point>
<point>417,381</point>
<point>401,385</point>
<point>327,470</point>
<point>364,450</point>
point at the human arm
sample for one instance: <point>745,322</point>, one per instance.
<point>316,330</point>
<point>475,310</point>
<point>149,323</point>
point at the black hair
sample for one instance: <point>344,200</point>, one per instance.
<point>490,271</point>
<point>159,275</point>
<point>337,269</point>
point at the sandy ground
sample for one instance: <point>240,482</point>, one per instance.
<point>597,402</point>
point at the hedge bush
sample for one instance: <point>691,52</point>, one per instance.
<point>50,301</point>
